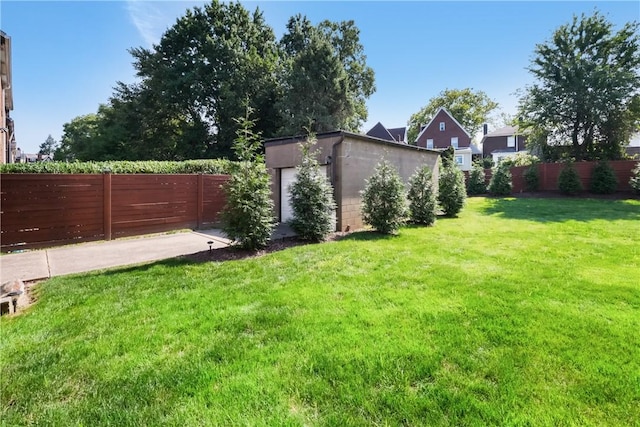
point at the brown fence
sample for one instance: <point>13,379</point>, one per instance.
<point>40,210</point>
<point>549,173</point>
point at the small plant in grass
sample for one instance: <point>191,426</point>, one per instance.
<point>634,182</point>
<point>531,178</point>
<point>384,200</point>
<point>247,218</point>
<point>311,198</point>
<point>422,197</point>
<point>500,184</point>
<point>452,193</point>
<point>603,179</point>
<point>476,183</point>
<point>568,180</point>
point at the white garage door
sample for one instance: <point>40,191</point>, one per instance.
<point>287,177</point>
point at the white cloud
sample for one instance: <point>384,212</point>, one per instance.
<point>148,19</point>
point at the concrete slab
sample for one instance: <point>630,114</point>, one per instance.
<point>25,266</point>
<point>116,253</point>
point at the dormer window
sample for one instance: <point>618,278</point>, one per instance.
<point>441,126</point>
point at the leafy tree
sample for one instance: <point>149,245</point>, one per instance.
<point>79,139</point>
<point>447,157</point>
<point>476,183</point>
<point>586,94</point>
<point>326,80</point>
<point>48,146</point>
<point>532,178</point>
<point>452,193</point>
<point>500,184</point>
<point>603,179</point>
<point>311,198</point>
<point>248,215</point>
<point>384,200</point>
<point>569,180</point>
<point>422,197</point>
<point>471,108</point>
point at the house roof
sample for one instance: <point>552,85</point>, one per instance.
<point>503,131</point>
<point>436,115</point>
<point>379,131</point>
<point>398,134</point>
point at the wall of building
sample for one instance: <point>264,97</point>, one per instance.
<point>356,159</point>
<point>442,139</point>
<point>499,143</point>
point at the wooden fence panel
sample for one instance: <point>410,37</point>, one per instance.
<point>43,210</point>
<point>48,209</point>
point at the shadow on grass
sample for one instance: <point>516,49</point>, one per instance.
<point>559,209</point>
<point>366,236</point>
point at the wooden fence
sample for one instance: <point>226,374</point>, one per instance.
<point>43,210</point>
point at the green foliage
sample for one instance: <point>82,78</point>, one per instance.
<point>447,157</point>
<point>470,108</point>
<point>476,184</point>
<point>422,197</point>
<point>532,178</point>
<point>452,193</point>
<point>500,184</point>
<point>634,181</point>
<point>311,198</point>
<point>247,218</point>
<point>208,166</point>
<point>586,93</point>
<point>383,200</point>
<point>520,159</point>
<point>487,162</point>
<point>569,181</point>
<point>603,179</point>
<point>48,146</point>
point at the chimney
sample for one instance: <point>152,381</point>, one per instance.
<point>485,129</point>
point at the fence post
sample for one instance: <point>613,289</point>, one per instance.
<point>106,191</point>
<point>200,199</point>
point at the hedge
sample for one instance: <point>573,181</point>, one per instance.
<point>205,166</point>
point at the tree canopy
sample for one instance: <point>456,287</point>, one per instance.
<point>471,108</point>
<point>214,62</point>
<point>587,89</point>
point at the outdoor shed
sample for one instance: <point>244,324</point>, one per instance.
<point>348,160</point>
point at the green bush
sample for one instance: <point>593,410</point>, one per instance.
<point>532,178</point>
<point>206,166</point>
<point>311,198</point>
<point>568,180</point>
<point>634,182</point>
<point>521,159</point>
<point>452,193</point>
<point>383,200</point>
<point>476,183</point>
<point>603,179</point>
<point>247,218</point>
<point>486,162</point>
<point>500,184</point>
<point>422,197</point>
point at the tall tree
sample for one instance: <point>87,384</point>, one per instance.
<point>587,93</point>
<point>48,146</point>
<point>471,108</point>
<point>326,80</point>
<point>79,139</point>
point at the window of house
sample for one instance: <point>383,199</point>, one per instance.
<point>441,126</point>
<point>454,142</point>
<point>459,160</point>
<point>429,143</point>
<point>511,141</point>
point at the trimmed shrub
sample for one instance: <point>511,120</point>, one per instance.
<point>486,162</point>
<point>500,184</point>
<point>311,198</point>
<point>247,218</point>
<point>569,181</point>
<point>383,200</point>
<point>476,183</point>
<point>634,182</point>
<point>422,197</point>
<point>603,179</point>
<point>452,193</point>
<point>206,166</point>
<point>531,178</point>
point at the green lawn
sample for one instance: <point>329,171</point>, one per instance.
<point>519,312</point>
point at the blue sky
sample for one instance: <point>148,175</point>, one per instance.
<point>68,56</point>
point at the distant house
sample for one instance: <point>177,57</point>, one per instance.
<point>444,131</point>
<point>502,143</point>
<point>388,134</point>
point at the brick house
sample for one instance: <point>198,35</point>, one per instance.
<point>503,142</point>
<point>444,131</point>
<point>388,134</point>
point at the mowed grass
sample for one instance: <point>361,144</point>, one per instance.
<point>519,312</point>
